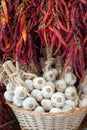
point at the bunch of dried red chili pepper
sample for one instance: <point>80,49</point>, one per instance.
<point>59,24</point>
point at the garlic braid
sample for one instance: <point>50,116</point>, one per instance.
<point>49,63</point>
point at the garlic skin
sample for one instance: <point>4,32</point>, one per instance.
<point>70,103</point>
<point>58,99</point>
<point>55,71</point>
<point>83,96</point>
<point>29,103</point>
<point>8,96</point>
<point>39,109</point>
<point>83,103</point>
<point>51,84</point>
<point>66,108</point>
<point>70,93</point>
<point>49,75</point>
<point>37,94</point>
<point>60,85</point>
<point>10,87</point>
<point>21,92</point>
<point>76,100</point>
<point>39,82</point>
<point>84,90</point>
<point>47,91</point>
<point>46,104</point>
<point>55,110</point>
<point>17,102</point>
<point>29,83</point>
<point>70,78</point>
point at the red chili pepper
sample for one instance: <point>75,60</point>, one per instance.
<point>53,29</point>
<point>74,27</point>
<point>53,41</point>
<point>61,25</point>
<point>56,5</point>
<point>57,50</point>
<point>74,60</point>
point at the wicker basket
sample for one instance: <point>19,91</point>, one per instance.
<point>49,121</point>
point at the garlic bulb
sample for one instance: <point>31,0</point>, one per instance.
<point>39,82</point>
<point>51,84</point>
<point>37,94</point>
<point>47,91</point>
<point>21,92</point>
<point>76,100</point>
<point>54,110</point>
<point>60,85</point>
<point>70,93</point>
<point>8,96</point>
<point>17,102</point>
<point>58,99</point>
<point>49,75</point>
<point>29,84</point>
<point>10,87</point>
<point>70,78</point>
<point>70,103</point>
<point>39,109</point>
<point>66,108</point>
<point>55,71</point>
<point>46,103</point>
<point>84,90</point>
<point>29,103</point>
<point>83,103</point>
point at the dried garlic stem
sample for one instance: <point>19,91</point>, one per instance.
<point>17,66</point>
<point>59,65</point>
<point>48,52</point>
<point>6,69</point>
<point>32,68</point>
<point>10,65</point>
<point>68,69</point>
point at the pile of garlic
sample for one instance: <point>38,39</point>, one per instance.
<point>48,93</point>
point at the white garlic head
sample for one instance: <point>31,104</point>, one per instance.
<point>10,87</point>
<point>84,90</point>
<point>58,99</point>
<point>60,85</point>
<point>39,109</point>
<point>47,91</point>
<point>21,92</point>
<point>70,78</point>
<point>39,82</point>
<point>8,96</point>
<point>51,84</point>
<point>70,103</point>
<point>29,84</point>
<point>49,75</point>
<point>55,110</point>
<point>37,94</point>
<point>66,108</point>
<point>29,103</point>
<point>83,103</point>
<point>46,103</point>
<point>55,71</point>
<point>17,102</point>
<point>71,93</point>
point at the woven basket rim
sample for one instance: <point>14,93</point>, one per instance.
<point>59,114</point>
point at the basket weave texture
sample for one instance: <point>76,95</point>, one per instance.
<point>48,121</point>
